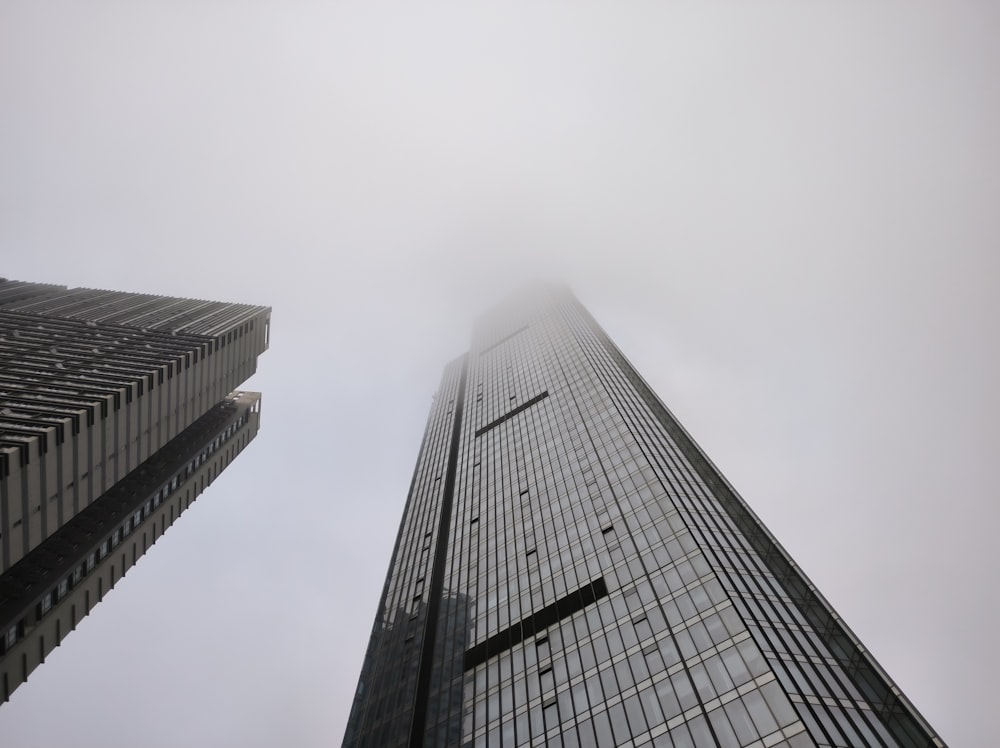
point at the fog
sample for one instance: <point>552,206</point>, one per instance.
<point>785,214</point>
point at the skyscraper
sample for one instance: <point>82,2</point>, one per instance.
<point>116,411</point>
<point>572,570</point>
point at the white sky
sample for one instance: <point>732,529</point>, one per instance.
<point>785,213</point>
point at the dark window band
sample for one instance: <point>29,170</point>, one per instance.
<point>422,694</point>
<point>531,625</point>
<point>510,414</point>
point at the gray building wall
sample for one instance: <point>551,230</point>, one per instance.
<point>116,411</point>
<point>46,596</point>
<point>91,386</point>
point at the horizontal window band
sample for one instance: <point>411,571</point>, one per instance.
<point>532,624</point>
<point>510,414</point>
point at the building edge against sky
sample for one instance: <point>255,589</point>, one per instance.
<point>571,566</point>
<point>116,411</point>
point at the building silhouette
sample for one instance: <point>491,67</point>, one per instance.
<point>116,411</point>
<point>572,570</point>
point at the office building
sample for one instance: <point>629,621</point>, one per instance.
<point>116,411</point>
<point>572,570</point>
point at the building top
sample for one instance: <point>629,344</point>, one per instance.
<point>516,312</point>
<point>168,314</point>
<point>92,383</point>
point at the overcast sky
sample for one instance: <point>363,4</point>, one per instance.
<point>786,214</point>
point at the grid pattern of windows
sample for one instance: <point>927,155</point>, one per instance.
<point>383,709</point>
<point>594,585</point>
<point>94,383</point>
<point>36,586</point>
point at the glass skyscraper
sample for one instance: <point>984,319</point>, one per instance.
<point>116,411</point>
<point>572,570</point>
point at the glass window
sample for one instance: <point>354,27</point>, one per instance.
<point>550,712</point>
<point>700,732</point>
<point>682,686</point>
<point>580,701</point>
<point>759,713</point>
<point>601,651</point>
<point>700,598</point>
<point>602,726</point>
<point>624,673</point>
<point>537,724</point>
<point>636,718</point>
<point>640,671</point>
<point>642,629</point>
<point>719,675</point>
<point>595,692</point>
<point>608,682</point>
<point>686,644</point>
<point>779,704</point>
<point>667,698</point>
<point>573,665</point>
<point>699,634</point>
<point>586,733</point>
<point>716,629</point>
<point>702,682</point>
<point>619,723</point>
<point>680,737</point>
<point>651,706</point>
<point>740,720</point>
<point>735,666</point>
<point>723,730</point>
<point>752,657</point>
<point>547,679</point>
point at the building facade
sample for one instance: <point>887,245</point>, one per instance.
<point>116,411</point>
<point>572,570</point>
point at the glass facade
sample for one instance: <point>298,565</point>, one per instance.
<point>571,570</point>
